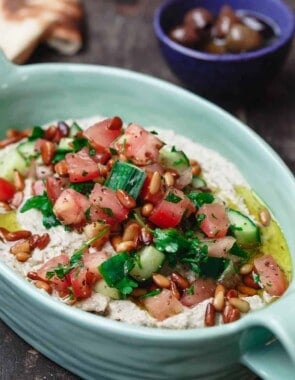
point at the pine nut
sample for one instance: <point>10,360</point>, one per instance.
<point>232,293</point>
<point>147,209</point>
<point>155,183</point>
<point>5,206</point>
<point>242,305</point>
<point>115,241</point>
<point>50,132</point>
<point>246,290</point>
<point>15,235</point>
<point>48,149</point>
<point>61,168</point>
<point>44,285</point>
<point>18,180</point>
<point>196,169</point>
<point>180,281</point>
<point>20,247</point>
<point>145,236</point>
<point>218,301</point>
<point>161,281</point>
<point>265,217</point>
<point>22,256</point>
<point>230,314</point>
<point>249,281</point>
<point>210,315</point>
<point>169,179</point>
<point>126,246</point>
<point>125,199</point>
<point>33,276</point>
<point>246,268</point>
<point>131,232</point>
<point>9,141</point>
<point>174,290</point>
<point>138,292</point>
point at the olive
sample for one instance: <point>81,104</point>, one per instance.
<point>184,35</point>
<point>241,38</point>
<point>198,18</point>
<point>225,20</point>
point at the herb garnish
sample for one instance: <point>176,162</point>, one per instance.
<point>152,293</point>
<point>199,198</point>
<point>173,198</point>
<point>83,187</point>
<point>43,204</point>
<point>37,133</point>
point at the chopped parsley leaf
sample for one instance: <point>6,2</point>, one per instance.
<point>83,187</point>
<point>108,211</point>
<point>199,198</point>
<point>152,293</point>
<point>37,133</point>
<point>173,198</point>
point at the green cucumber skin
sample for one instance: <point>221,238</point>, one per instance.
<point>150,261</point>
<point>65,145</point>
<point>243,229</point>
<point>11,161</point>
<point>173,160</point>
<point>27,150</point>
<point>126,177</point>
<point>102,287</point>
<point>75,128</point>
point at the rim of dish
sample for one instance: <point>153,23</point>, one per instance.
<point>282,40</point>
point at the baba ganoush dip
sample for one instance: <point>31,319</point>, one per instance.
<point>138,225</point>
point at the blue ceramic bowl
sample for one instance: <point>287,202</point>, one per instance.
<point>243,73</point>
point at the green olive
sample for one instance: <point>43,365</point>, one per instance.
<point>241,38</point>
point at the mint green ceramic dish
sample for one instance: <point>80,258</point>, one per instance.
<point>92,346</point>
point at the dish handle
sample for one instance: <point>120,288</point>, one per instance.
<point>5,65</point>
<point>275,359</point>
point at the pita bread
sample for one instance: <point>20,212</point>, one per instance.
<point>26,23</point>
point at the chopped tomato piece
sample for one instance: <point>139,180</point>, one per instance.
<point>270,274</point>
<point>92,262</point>
<point>219,247</point>
<point>7,190</point>
<point>163,305</point>
<point>81,167</point>
<point>139,145</point>
<point>106,206</point>
<point>103,133</point>
<point>81,282</point>
<point>145,193</point>
<point>202,289</point>
<point>54,187</point>
<point>38,187</point>
<point>169,212</point>
<point>215,223</point>
<point>71,207</point>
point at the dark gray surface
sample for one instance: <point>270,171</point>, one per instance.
<point>119,33</point>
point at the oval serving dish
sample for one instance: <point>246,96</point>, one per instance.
<point>94,347</point>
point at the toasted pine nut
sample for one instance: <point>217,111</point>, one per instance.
<point>115,240</point>
<point>147,209</point>
<point>33,276</point>
<point>126,246</point>
<point>174,290</point>
<point>5,206</point>
<point>125,199</point>
<point>103,170</point>
<point>9,141</point>
<point>196,169</point>
<point>169,179</point>
<point>44,285</point>
<point>246,268</point>
<point>218,301</point>
<point>22,256</point>
<point>265,217</point>
<point>247,290</point>
<point>50,132</point>
<point>161,281</point>
<point>138,292</point>
<point>20,247</point>
<point>131,232</point>
<point>13,133</point>
<point>145,236</point>
<point>249,281</point>
<point>155,183</point>
<point>15,235</point>
<point>18,180</point>
<point>180,281</point>
<point>48,149</point>
<point>232,293</point>
<point>92,229</point>
<point>242,305</point>
<point>61,168</point>
<point>230,314</point>
<point>210,315</point>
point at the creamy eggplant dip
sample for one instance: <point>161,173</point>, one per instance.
<point>112,219</point>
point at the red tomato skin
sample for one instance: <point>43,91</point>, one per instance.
<point>54,187</point>
<point>203,289</point>
<point>216,222</point>
<point>81,167</point>
<point>104,198</point>
<point>50,264</point>
<point>70,207</point>
<point>270,274</point>
<point>7,190</point>
<point>103,133</point>
<point>139,145</point>
<point>80,284</point>
<point>38,187</point>
<point>92,262</point>
<point>168,214</point>
<point>163,306</point>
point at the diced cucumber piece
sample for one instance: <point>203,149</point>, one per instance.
<point>27,150</point>
<point>65,144</point>
<point>126,177</point>
<point>102,287</point>
<point>173,159</point>
<point>75,128</point>
<point>198,182</point>
<point>149,261</point>
<point>11,161</point>
<point>243,229</point>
